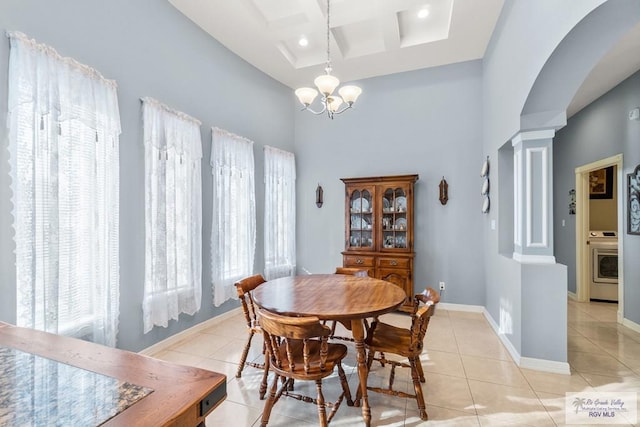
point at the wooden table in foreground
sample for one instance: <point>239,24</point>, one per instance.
<point>181,396</point>
<point>348,299</point>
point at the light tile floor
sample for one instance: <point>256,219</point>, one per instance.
<point>471,378</point>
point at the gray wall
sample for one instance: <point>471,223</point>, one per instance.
<point>150,49</point>
<point>600,130</point>
<point>425,122</point>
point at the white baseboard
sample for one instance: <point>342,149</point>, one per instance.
<point>515,355</point>
<point>527,362</point>
<point>545,365</point>
<point>631,325</point>
<point>174,339</point>
<point>572,295</point>
<point>461,307</point>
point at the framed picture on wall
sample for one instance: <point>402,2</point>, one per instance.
<point>601,183</point>
<point>633,206</point>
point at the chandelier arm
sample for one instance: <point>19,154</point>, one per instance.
<point>317,113</point>
<point>326,84</point>
<point>344,109</point>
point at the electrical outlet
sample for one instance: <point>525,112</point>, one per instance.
<point>442,286</point>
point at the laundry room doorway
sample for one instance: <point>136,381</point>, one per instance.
<point>599,221</point>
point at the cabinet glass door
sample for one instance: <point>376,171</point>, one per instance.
<point>394,219</point>
<point>361,219</point>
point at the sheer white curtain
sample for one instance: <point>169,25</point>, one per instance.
<point>64,128</point>
<point>279,213</point>
<point>233,231</point>
<point>173,214</point>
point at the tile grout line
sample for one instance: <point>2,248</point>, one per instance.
<point>466,376</point>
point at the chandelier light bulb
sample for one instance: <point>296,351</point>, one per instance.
<point>306,95</point>
<point>326,84</point>
<point>333,103</point>
<point>350,93</point>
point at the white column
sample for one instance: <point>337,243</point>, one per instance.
<point>533,196</point>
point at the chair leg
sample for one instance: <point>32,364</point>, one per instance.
<point>245,353</point>
<point>420,371</point>
<point>268,405</point>
<point>415,376</point>
<point>265,376</point>
<point>345,384</point>
<point>322,413</point>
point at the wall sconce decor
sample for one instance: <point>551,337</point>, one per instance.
<point>444,191</point>
<point>319,195</point>
<point>572,201</point>
<point>633,212</point>
<point>484,173</point>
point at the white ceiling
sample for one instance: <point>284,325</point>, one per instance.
<point>371,38</point>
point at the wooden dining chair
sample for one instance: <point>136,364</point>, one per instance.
<point>244,288</point>
<point>384,339</point>
<point>350,271</point>
<point>353,271</point>
<point>298,349</point>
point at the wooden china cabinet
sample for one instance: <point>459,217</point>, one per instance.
<point>379,229</point>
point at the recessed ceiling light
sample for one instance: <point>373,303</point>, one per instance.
<point>423,13</point>
<point>303,41</point>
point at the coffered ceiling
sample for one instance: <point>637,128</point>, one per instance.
<point>371,38</point>
<point>368,37</point>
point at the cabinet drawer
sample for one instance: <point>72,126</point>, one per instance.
<point>358,261</point>
<point>394,262</point>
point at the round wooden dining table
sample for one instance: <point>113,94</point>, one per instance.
<point>345,298</point>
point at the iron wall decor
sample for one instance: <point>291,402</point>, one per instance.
<point>572,202</point>
<point>319,196</point>
<point>633,203</point>
<point>444,191</point>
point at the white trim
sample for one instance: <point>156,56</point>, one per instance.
<point>527,362</point>
<point>609,161</point>
<point>534,259</point>
<point>545,365</point>
<point>174,339</point>
<point>572,295</point>
<point>515,355</point>
<point>461,307</point>
<point>534,134</point>
<point>517,197</point>
<point>544,243</point>
<point>528,196</point>
<point>631,325</point>
<point>621,196</point>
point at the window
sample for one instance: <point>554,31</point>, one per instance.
<point>233,231</point>
<point>173,214</point>
<point>64,128</point>
<point>279,213</point>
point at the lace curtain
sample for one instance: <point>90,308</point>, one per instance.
<point>64,128</point>
<point>233,231</point>
<point>173,214</point>
<point>279,213</point>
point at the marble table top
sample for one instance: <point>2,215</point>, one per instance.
<point>36,391</point>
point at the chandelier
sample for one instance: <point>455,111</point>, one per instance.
<point>326,84</point>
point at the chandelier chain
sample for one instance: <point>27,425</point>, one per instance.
<point>327,84</point>
<point>328,68</point>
